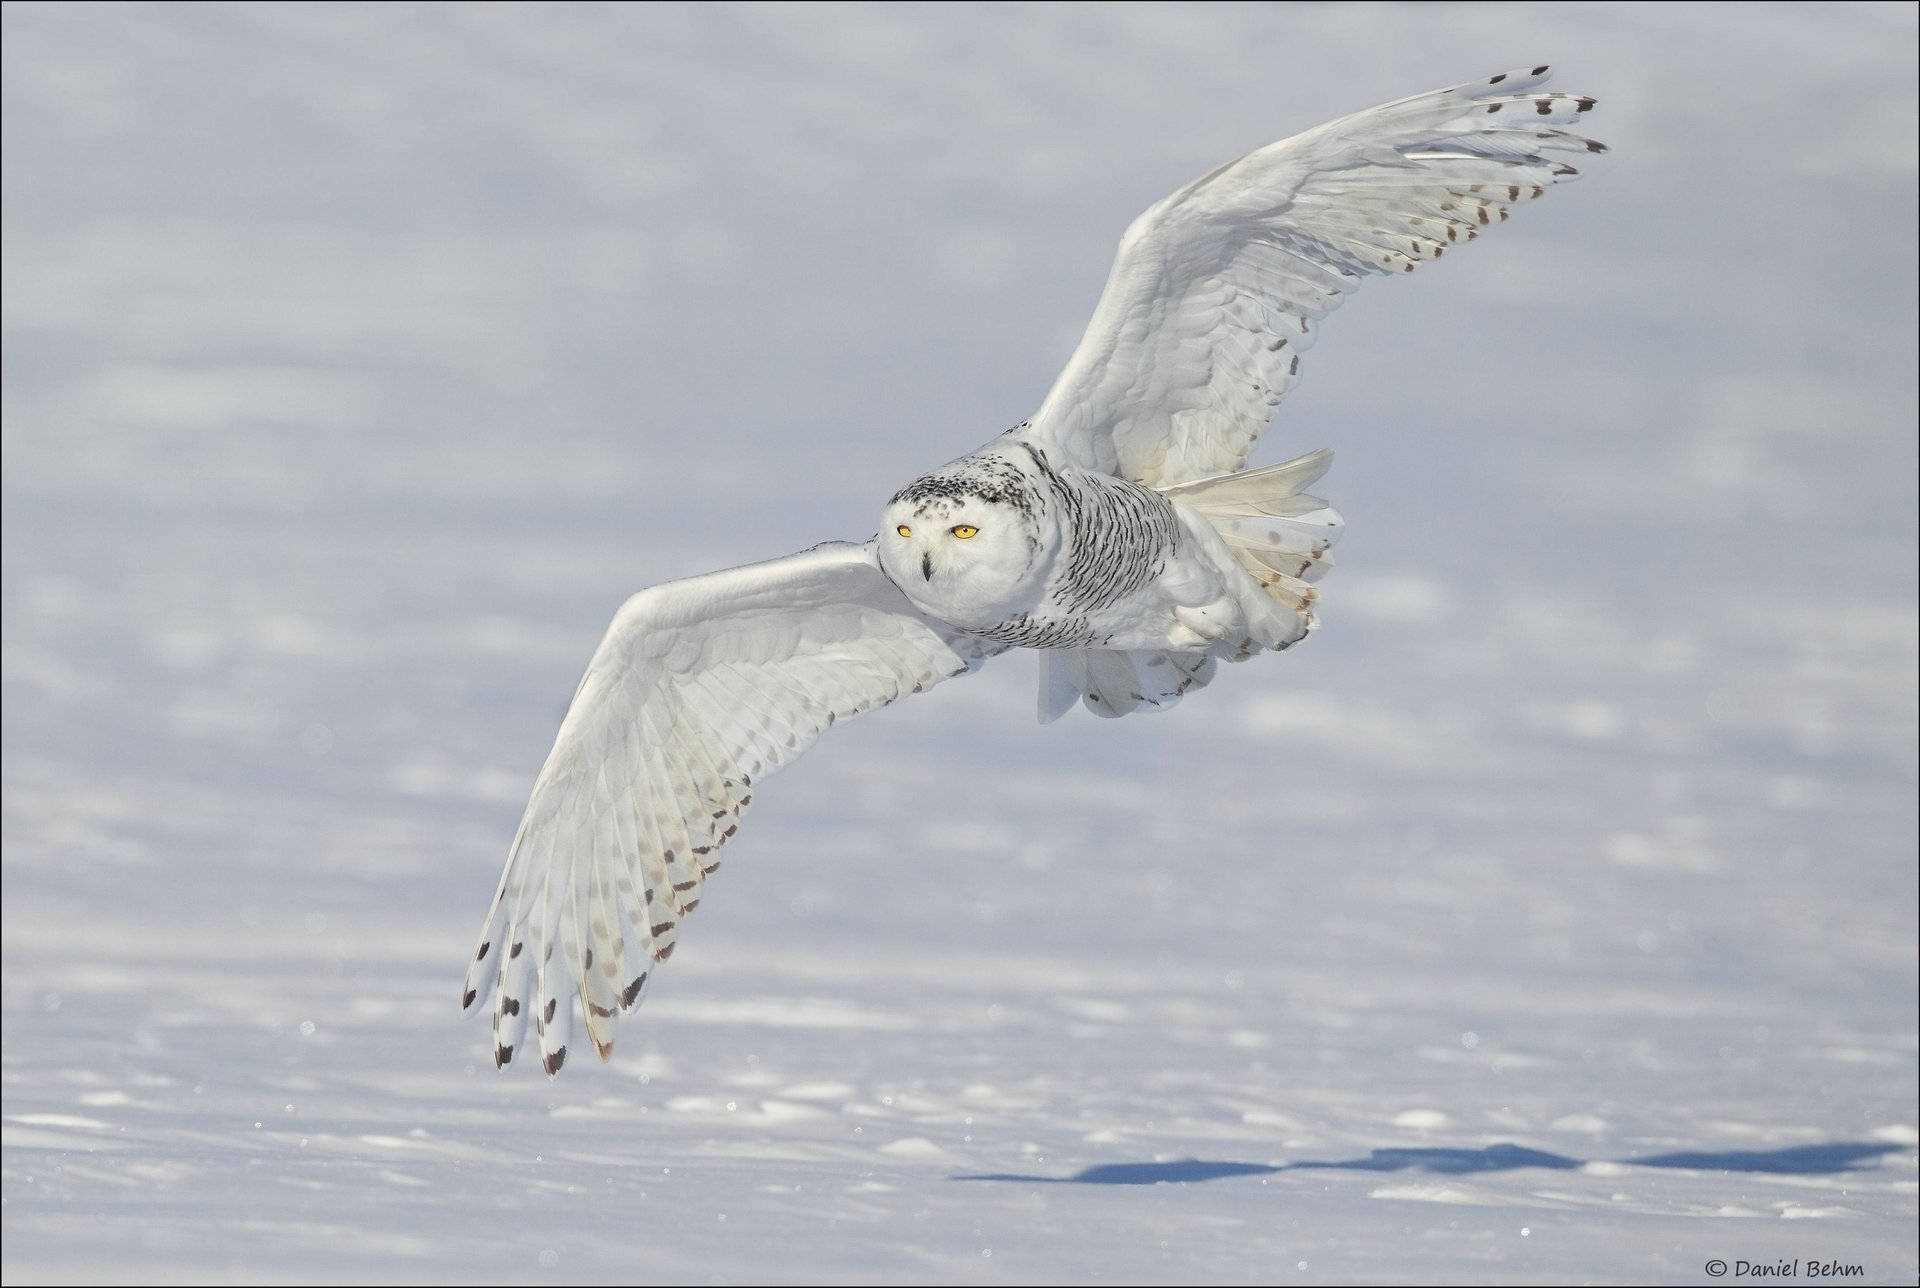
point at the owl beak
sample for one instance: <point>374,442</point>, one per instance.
<point>926,567</point>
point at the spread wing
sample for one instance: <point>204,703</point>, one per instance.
<point>1215,291</point>
<point>699,690</point>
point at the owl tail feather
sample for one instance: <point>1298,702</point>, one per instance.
<point>1275,530</point>
<point>1116,683</point>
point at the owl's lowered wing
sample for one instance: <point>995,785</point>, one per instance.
<point>1215,291</point>
<point>700,689</point>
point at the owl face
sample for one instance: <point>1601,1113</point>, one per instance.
<point>962,557</point>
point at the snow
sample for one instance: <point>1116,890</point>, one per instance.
<point>1549,917</point>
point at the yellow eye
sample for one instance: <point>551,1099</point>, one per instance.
<point>904,530</point>
<point>966,530</point>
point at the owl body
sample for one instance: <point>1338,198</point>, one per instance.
<point>1003,545</point>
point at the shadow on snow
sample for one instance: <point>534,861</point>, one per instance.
<point>1801,1160</point>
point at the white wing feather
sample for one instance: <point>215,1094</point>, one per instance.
<point>700,688</point>
<point>1215,291</point>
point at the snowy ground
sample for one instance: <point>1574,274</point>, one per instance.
<point>1548,917</point>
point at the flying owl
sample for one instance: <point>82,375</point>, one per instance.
<point>1114,531</point>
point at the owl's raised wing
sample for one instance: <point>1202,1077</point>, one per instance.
<point>701,688</point>
<point>1215,291</point>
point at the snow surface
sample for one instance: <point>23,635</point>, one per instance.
<point>1548,917</point>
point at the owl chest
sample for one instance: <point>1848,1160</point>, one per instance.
<point>1121,540</point>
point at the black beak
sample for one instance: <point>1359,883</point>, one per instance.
<point>926,567</point>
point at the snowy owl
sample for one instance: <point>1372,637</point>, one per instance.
<point>1114,531</point>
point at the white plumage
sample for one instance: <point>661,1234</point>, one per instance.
<point>1111,531</point>
<point>1216,290</point>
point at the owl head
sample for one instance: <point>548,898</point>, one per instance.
<point>971,543</point>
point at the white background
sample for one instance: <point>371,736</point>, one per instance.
<point>1548,917</point>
